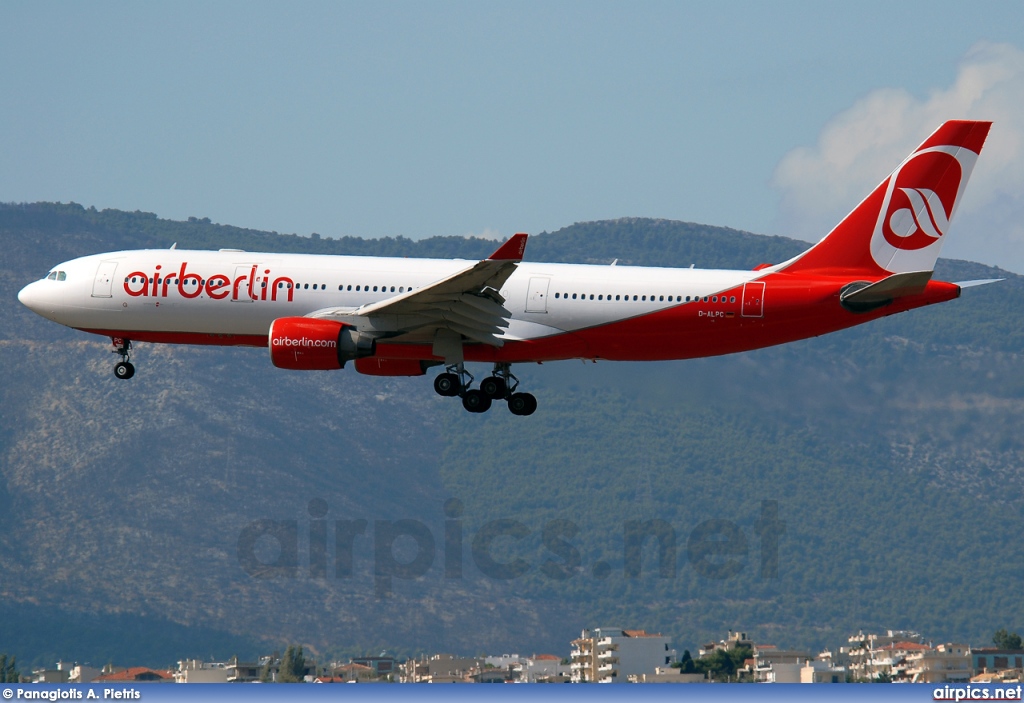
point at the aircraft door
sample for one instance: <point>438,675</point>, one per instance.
<point>103,283</point>
<point>753,299</point>
<point>537,297</point>
<point>240,284</point>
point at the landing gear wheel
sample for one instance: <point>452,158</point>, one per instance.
<point>124,370</point>
<point>447,384</point>
<point>475,401</point>
<point>494,387</point>
<point>522,404</point>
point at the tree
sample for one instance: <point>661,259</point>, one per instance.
<point>9,670</point>
<point>686,665</point>
<point>1006,640</point>
<point>293,665</point>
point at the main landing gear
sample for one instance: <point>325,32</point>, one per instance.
<point>500,385</point>
<point>124,369</point>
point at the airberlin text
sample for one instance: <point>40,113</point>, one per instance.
<point>248,285</point>
<point>405,549</point>
<point>303,342</point>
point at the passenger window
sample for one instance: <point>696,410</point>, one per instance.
<point>574,296</point>
<point>661,298</point>
<point>634,297</point>
<point>714,299</point>
<point>732,298</point>
<point>616,297</point>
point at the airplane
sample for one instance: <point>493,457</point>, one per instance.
<point>402,316</point>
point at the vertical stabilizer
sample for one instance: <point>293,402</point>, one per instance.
<point>899,228</point>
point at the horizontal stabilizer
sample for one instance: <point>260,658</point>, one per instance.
<point>862,297</point>
<point>979,282</point>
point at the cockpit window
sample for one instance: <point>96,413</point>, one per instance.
<point>56,276</point>
<point>61,276</point>
<point>52,276</point>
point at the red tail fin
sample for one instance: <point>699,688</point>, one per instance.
<point>899,227</point>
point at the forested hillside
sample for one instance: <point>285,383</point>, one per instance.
<point>885,459</point>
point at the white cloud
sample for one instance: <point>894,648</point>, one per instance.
<point>861,146</point>
<point>487,233</point>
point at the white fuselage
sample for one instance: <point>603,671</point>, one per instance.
<point>242,293</point>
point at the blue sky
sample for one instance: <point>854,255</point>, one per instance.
<point>421,119</point>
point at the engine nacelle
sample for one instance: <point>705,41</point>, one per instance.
<point>308,344</point>
<point>375,366</point>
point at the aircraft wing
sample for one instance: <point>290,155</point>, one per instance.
<point>467,302</point>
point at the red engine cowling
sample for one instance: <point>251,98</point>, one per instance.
<point>307,344</point>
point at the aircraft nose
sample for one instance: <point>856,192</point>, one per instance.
<point>29,296</point>
<point>38,297</point>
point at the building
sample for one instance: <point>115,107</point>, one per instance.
<point>822,671</point>
<point>735,640</point>
<point>774,665</point>
<point>83,674</point>
<point>544,668</point>
<point>352,672</point>
<point>667,675</point>
<point>881,657</point>
<point>382,666</point>
<point>611,655</point>
<point>947,663</point>
<point>136,674</point>
<point>195,671</point>
<point>990,659</point>
<point>247,672</point>
<point>439,668</point>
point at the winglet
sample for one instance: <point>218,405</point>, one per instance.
<point>512,250</point>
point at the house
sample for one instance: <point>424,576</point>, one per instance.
<point>83,673</point>
<point>359,673</point>
<point>822,671</point>
<point>439,668</point>
<point>947,663</point>
<point>195,671</point>
<point>382,666</point>
<point>546,667</point>
<point>990,659</point>
<point>136,674</point>
<point>879,657</point>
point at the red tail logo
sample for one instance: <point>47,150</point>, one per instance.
<point>919,200</point>
<point>915,216</point>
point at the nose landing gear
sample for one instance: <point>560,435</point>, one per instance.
<point>124,369</point>
<point>500,385</point>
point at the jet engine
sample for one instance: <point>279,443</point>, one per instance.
<point>309,344</point>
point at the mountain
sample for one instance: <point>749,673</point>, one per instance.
<point>867,479</point>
